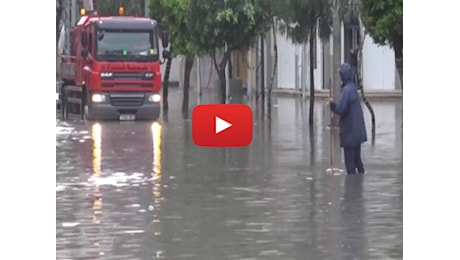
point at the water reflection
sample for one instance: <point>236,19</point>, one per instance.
<point>156,164</point>
<point>96,135</point>
<point>255,202</point>
<point>353,218</point>
<point>156,138</point>
<point>156,181</point>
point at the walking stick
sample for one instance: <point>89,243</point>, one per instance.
<point>331,168</point>
<point>331,136</point>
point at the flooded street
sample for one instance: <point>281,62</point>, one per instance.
<point>137,190</point>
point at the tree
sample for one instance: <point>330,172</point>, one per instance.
<point>175,17</point>
<point>157,12</point>
<point>383,21</point>
<point>59,10</point>
<point>302,21</point>
<point>229,25</point>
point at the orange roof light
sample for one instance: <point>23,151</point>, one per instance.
<point>121,10</point>
<point>82,12</point>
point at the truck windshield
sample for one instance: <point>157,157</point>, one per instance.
<point>127,46</point>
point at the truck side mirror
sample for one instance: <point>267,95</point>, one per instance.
<point>166,54</point>
<point>165,39</point>
<point>84,53</point>
<point>84,38</point>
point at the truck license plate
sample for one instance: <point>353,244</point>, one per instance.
<point>127,117</point>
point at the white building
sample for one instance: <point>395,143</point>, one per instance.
<point>379,70</point>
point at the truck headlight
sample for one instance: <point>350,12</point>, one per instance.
<point>155,98</point>
<point>98,98</point>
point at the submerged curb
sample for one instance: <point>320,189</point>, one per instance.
<point>324,94</point>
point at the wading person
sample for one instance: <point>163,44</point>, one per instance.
<point>352,126</point>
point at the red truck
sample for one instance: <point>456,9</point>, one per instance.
<point>113,70</point>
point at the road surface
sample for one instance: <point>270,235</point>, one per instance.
<point>137,190</point>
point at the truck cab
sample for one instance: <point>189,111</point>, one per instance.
<point>113,72</point>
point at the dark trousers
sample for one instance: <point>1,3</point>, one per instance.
<point>353,162</point>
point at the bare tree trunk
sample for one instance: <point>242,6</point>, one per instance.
<point>337,58</point>
<point>59,10</point>
<point>187,71</point>
<point>166,82</point>
<point>399,66</point>
<point>275,67</point>
<point>230,67</point>
<point>262,74</point>
<point>361,87</point>
<point>398,49</point>
<point>312,77</point>
<point>220,68</point>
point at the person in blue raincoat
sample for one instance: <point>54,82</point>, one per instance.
<point>352,127</point>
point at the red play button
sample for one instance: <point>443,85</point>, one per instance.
<point>222,125</point>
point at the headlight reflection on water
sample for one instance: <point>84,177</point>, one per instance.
<point>156,138</point>
<point>156,162</point>
<point>96,133</point>
<point>156,173</point>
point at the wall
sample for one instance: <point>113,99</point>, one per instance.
<point>378,66</point>
<point>287,68</point>
<point>286,62</point>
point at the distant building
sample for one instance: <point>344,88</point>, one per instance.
<point>378,61</point>
<point>379,70</point>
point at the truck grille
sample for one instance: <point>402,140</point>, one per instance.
<point>130,76</point>
<point>126,101</point>
<point>126,85</point>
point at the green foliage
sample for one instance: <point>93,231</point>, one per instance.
<point>110,7</point>
<point>235,23</point>
<point>301,18</point>
<point>174,16</point>
<point>157,12</point>
<point>383,20</point>
<point>347,9</point>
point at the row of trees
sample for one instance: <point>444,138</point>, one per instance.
<point>209,27</point>
<point>218,28</point>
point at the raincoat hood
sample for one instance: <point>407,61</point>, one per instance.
<point>346,73</point>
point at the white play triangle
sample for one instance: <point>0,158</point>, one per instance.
<point>221,125</point>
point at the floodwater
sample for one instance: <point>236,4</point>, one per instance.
<point>137,190</point>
